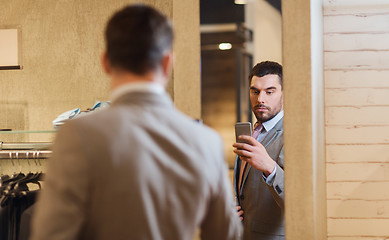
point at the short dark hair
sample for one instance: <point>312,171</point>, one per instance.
<point>137,38</point>
<point>266,68</point>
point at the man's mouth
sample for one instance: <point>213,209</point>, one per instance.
<point>261,108</point>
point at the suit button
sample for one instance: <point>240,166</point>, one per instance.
<point>242,197</point>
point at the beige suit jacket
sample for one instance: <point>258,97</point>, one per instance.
<point>137,170</point>
<point>263,204</point>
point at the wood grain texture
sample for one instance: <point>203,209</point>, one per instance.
<point>358,227</point>
<point>304,182</point>
<point>357,238</point>
<point>368,191</point>
<point>356,79</point>
<point>362,116</point>
<point>356,42</point>
<point>357,97</point>
<point>357,153</point>
<point>357,23</point>
<point>361,209</point>
<point>358,172</point>
<point>356,45</point>
<point>337,7</point>
<point>357,135</point>
<point>357,60</point>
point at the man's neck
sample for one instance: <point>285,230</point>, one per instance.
<point>121,78</point>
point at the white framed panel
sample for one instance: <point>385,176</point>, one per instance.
<point>10,48</point>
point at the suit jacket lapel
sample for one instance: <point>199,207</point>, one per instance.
<point>273,133</point>
<point>236,175</point>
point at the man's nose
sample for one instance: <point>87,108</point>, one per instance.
<point>261,97</point>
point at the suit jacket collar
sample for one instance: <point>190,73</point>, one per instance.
<point>273,132</point>
<point>144,98</point>
<point>141,86</point>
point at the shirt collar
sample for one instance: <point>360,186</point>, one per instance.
<point>137,87</point>
<point>269,125</point>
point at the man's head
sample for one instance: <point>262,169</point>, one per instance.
<point>138,38</point>
<point>266,90</point>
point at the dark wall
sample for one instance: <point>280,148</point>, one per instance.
<point>220,11</point>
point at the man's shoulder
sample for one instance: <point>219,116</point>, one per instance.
<point>280,125</point>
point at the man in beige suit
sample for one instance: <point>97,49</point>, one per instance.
<point>139,169</point>
<point>259,174</point>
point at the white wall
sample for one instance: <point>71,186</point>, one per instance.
<point>266,22</point>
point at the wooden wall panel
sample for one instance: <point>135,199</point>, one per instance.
<point>357,97</point>
<point>357,23</point>
<point>356,79</point>
<point>357,135</point>
<point>361,60</point>
<point>356,50</point>
<point>356,41</point>
<point>333,7</point>
<point>358,227</point>
<point>368,191</point>
<point>370,153</point>
<point>360,115</point>
<point>366,209</point>
<point>357,238</point>
<point>357,172</point>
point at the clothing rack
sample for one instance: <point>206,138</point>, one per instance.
<point>25,146</point>
<point>29,155</point>
<point>15,151</point>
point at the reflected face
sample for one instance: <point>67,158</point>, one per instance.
<point>266,97</point>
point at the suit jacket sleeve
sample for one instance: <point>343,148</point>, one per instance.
<point>61,207</point>
<point>276,187</point>
<point>221,220</point>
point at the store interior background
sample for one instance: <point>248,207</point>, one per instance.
<point>62,43</point>
<point>254,30</point>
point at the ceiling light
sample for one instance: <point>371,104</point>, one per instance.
<point>240,1</point>
<point>225,46</point>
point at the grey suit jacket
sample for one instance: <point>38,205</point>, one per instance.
<point>137,170</point>
<point>263,204</point>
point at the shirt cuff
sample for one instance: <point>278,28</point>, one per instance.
<point>269,179</point>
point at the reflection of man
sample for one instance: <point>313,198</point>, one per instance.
<point>139,169</point>
<point>259,174</point>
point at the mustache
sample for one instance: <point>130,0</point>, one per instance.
<point>261,106</point>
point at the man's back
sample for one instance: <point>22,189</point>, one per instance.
<point>139,170</point>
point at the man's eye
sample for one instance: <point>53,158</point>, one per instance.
<point>269,93</point>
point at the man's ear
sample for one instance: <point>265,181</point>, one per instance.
<point>167,63</point>
<point>105,63</point>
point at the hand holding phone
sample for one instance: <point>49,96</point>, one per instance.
<point>242,128</point>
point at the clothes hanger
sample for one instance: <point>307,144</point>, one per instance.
<point>15,176</point>
<point>2,176</point>
<point>21,184</point>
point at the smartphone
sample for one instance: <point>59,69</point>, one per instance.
<point>242,128</point>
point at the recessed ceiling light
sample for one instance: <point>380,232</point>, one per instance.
<point>240,1</point>
<point>225,46</point>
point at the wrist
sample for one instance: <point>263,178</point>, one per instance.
<point>270,168</point>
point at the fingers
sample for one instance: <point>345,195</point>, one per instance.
<point>240,212</point>
<point>243,153</point>
<point>252,141</point>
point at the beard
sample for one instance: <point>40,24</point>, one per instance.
<point>267,115</point>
